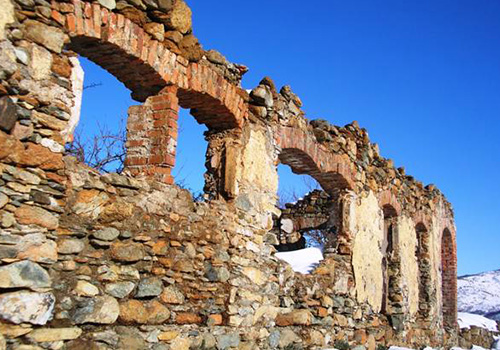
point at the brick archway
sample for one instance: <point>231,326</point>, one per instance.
<point>146,66</point>
<point>304,155</point>
<point>389,203</point>
<point>165,81</point>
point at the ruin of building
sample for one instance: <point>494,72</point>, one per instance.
<point>131,261</point>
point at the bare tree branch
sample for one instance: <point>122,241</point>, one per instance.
<point>105,151</point>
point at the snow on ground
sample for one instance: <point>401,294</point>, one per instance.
<point>302,260</point>
<point>465,320</point>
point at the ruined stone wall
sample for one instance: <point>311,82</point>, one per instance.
<point>131,261</point>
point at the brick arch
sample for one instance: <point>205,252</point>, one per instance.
<point>449,277</point>
<point>146,66</point>
<point>389,203</point>
<point>304,155</point>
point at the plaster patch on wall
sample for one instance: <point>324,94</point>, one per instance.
<point>367,224</point>
<point>6,16</point>
<point>435,254</point>
<point>409,263</point>
<point>77,76</point>
<point>259,170</point>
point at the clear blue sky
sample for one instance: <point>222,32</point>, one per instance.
<point>422,76</point>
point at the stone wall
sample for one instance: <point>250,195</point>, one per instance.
<point>131,261</point>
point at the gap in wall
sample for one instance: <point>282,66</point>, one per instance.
<point>190,156</point>
<point>101,130</point>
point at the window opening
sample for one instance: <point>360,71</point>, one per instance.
<point>100,136</point>
<point>190,160</point>
<point>306,224</point>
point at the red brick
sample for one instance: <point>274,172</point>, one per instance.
<point>97,19</point>
<point>71,23</point>
<point>58,17</point>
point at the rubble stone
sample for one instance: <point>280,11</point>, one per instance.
<point>27,307</point>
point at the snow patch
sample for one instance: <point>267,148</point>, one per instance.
<point>302,260</point>
<point>466,320</point>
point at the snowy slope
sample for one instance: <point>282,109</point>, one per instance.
<point>480,294</point>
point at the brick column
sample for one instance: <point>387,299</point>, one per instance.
<point>449,279</point>
<point>152,136</point>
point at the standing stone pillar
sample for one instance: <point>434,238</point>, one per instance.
<point>152,136</point>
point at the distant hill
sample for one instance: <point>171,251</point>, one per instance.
<point>480,294</point>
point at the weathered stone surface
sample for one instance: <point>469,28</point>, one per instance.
<point>109,4</point>
<point>216,57</point>
<point>156,30</point>
<point>106,234</point>
<point>117,211</point>
<point>89,203</point>
<point>14,331</point>
<point>135,311</point>
<point>27,307</point>
<point>120,289</point>
<point>24,274</point>
<point>180,344</point>
<point>172,295</point>
<point>288,337</point>
<point>191,48</point>
<point>255,275</point>
<point>101,310</point>
<point>296,317</point>
<point>40,64</point>
<point>31,215</point>
<point>70,246</point>
<point>180,17</point>
<point>49,121</point>
<point>262,96</point>
<point>149,287</point>
<point>225,341</point>
<point>84,288</point>
<point>3,200</point>
<point>39,156</point>
<point>38,248</point>
<point>52,145</point>
<point>50,37</point>
<point>187,318</point>
<point>128,252</point>
<point>8,114</point>
<point>54,334</point>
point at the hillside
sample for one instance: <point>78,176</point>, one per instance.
<point>480,294</point>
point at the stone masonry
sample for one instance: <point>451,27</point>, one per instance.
<point>131,261</point>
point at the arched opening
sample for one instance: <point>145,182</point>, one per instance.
<point>449,279</point>
<point>422,253</point>
<point>303,227</point>
<point>99,116</point>
<point>311,215</point>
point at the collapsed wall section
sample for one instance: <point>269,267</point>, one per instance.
<point>109,261</point>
